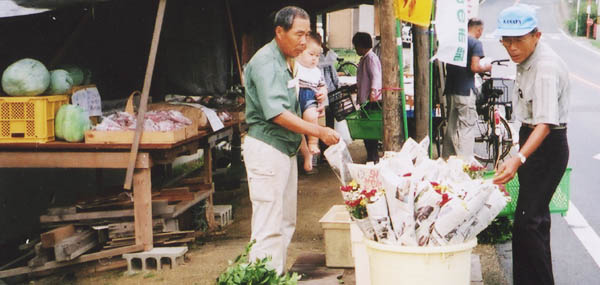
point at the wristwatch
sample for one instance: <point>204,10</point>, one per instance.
<point>522,158</point>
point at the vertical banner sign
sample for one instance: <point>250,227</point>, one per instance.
<point>413,11</point>
<point>451,28</point>
<point>472,8</point>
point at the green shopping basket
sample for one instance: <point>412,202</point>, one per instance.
<point>558,204</point>
<point>366,123</point>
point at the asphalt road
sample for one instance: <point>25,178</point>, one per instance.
<point>572,258</point>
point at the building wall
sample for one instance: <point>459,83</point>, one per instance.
<point>343,24</point>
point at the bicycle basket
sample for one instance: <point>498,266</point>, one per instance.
<point>340,102</point>
<point>499,88</point>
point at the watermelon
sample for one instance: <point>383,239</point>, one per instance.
<point>60,82</point>
<point>25,77</point>
<point>70,123</point>
<point>76,73</point>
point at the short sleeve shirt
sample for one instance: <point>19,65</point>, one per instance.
<point>542,88</point>
<point>459,80</point>
<point>270,90</point>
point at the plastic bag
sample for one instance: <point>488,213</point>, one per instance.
<point>341,128</point>
<point>338,158</point>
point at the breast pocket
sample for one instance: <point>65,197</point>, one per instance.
<point>525,97</point>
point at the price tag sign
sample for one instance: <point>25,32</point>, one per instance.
<point>88,98</point>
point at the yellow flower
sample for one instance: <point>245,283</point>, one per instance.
<point>353,184</point>
<point>363,202</point>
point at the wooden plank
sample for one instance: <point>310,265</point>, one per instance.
<point>192,180</point>
<point>71,160</point>
<point>142,202</point>
<point>184,205</point>
<point>119,230</point>
<point>159,208</point>
<point>81,259</point>
<point>174,194</point>
<point>76,245</point>
<point>144,100</point>
<point>51,238</point>
<point>55,211</point>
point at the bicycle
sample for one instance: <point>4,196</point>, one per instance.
<point>493,140</point>
<point>346,68</point>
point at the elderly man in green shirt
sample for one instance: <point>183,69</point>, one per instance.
<point>275,133</point>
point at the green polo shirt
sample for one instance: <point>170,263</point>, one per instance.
<point>267,95</point>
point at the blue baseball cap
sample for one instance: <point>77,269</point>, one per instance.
<point>517,20</point>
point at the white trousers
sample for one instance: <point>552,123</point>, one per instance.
<point>273,185</point>
<point>460,133</point>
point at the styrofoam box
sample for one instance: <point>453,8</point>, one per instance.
<point>336,228</point>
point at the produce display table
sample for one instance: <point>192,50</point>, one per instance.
<point>58,154</point>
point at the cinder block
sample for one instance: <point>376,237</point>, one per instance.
<point>155,258</point>
<point>223,214</point>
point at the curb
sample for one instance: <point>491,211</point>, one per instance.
<point>504,253</point>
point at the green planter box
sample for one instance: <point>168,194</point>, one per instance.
<point>558,204</point>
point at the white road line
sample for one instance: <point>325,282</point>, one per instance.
<point>597,156</point>
<point>580,44</point>
<point>592,84</point>
<point>586,235</point>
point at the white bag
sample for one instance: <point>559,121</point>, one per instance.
<point>341,128</point>
<point>338,158</point>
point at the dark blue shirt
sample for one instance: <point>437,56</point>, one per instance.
<point>459,80</point>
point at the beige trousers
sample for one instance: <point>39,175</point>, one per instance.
<point>460,133</point>
<point>273,185</point>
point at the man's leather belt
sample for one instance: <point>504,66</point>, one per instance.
<point>552,127</point>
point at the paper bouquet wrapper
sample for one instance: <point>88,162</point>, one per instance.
<point>338,158</point>
<point>426,211</point>
<point>413,150</point>
<point>455,218</point>
<point>365,226</point>
<point>492,207</point>
<point>400,199</point>
<point>399,163</point>
<point>367,176</point>
<point>379,217</point>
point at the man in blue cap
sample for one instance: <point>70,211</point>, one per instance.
<point>541,97</point>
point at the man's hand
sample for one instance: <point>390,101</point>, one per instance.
<point>321,94</point>
<point>507,170</point>
<point>328,136</point>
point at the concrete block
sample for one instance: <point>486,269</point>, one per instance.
<point>155,258</point>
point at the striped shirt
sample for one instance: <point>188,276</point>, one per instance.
<point>542,88</point>
<point>310,77</point>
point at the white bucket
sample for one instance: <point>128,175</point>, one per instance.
<point>391,264</point>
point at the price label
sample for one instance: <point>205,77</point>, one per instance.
<point>88,98</point>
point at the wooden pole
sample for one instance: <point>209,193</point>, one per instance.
<point>145,91</point>
<point>421,81</point>
<point>392,133</point>
<point>235,46</point>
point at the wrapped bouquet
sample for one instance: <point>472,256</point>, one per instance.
<point>409,199</point>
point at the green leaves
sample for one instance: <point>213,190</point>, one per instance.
<point>241,271</point>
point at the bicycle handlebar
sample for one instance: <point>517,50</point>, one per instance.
<point>500,61</point>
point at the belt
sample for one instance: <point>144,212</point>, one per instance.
<point>552,127</point>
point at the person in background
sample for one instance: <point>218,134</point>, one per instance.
<point>327,62</point>
<point>542,97</point>
<point>368,82</point>
<point>462,113</point>
<point>311,83</point>
<point>275,132</point>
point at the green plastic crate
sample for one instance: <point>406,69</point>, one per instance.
<point>365,124</point>
<point>558,204</point>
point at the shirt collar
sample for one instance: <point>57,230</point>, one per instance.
<point>282,60</point>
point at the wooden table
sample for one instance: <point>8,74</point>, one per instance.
<point>111,156</point>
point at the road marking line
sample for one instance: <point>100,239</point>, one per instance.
<point>586,235</point>
<point>585,80</point>
<point>579,44</point>
<point>597,156</point>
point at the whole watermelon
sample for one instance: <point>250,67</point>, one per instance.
<point>25,77</point>
<point>75,72</point>
<point>70,123</point>
<point>60,82</point>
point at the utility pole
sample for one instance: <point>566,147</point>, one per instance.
<point>392,133</point>
<point>421,80</point>
<point>577,17</point>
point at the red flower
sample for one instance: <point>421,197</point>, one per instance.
<point>407,175</point>
<point>445,199</point>
<point>346,188</point>
<point>434,184</point>
<point>369,194</point>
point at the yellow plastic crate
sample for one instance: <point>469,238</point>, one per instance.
<point>29,119</point>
